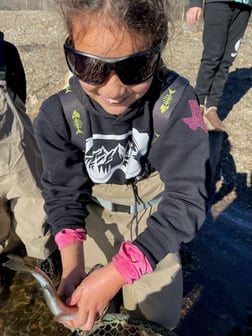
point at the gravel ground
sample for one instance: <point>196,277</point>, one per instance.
<point>39,36</point>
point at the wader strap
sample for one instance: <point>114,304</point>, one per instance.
<point>173,88</point>
<point>131,209</point>
<point>74,112</point>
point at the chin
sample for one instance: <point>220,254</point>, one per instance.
<point>115,111</point>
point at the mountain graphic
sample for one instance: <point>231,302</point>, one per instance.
<point>100,163</point>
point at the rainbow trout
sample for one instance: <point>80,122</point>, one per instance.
<point>57,307</point>
<point>108,325</point>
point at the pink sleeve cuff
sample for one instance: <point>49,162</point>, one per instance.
<point>131,262</point>
<point>69,236</point>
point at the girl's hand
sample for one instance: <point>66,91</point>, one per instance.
<point>69,283</point>
<point>72,257</point>
<point>193,15</point>
<point>93,295</point>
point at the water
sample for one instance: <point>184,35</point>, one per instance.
<point>23,310</point>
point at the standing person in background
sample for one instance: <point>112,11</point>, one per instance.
<point>224,25</point>
<point>115,193</point>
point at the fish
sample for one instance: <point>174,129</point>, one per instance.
<point>108,325</point>
<point>58,308</point>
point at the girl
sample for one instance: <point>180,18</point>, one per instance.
<point>113,187</point>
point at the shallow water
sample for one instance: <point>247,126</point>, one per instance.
<point>23,310</point>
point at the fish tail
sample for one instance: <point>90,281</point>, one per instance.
<point>15,263</point>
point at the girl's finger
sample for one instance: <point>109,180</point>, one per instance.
<point>91,318</point>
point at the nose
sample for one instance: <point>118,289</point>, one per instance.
<point>113,87</point>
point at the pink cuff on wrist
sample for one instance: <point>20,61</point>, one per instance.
<point>131,262</point>
<point>69,236</point>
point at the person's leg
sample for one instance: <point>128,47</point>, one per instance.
<point>237,26</point>
<point>30,226</point>
<point>157,296</point>
<point>28,215</point>
<point>216,22</point>
<point>216,25</point>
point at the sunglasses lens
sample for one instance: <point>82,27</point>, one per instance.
<point>132,70</point>
<point>137,69</point>
<point>86,68</point>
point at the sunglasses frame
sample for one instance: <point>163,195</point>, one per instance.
<point>113,63</point>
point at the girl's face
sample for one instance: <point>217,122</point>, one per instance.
<point>110,42</point>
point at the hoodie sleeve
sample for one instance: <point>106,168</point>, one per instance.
<point>66,186</point>
<point>181,156</point>
<point>195,3</point>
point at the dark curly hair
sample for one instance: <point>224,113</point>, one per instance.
<point>148,18</point>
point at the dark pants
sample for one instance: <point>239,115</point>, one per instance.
<point>224,26</point>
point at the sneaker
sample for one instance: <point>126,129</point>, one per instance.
<point>212,120</point>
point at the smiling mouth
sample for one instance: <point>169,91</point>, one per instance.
<point>111,101</point>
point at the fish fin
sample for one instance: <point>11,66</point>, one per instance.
<point>15,263</point>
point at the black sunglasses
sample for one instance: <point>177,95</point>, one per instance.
<point>132,69</point>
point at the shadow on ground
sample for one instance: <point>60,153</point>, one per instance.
<point>238,84</point>
<point>217,264</point>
